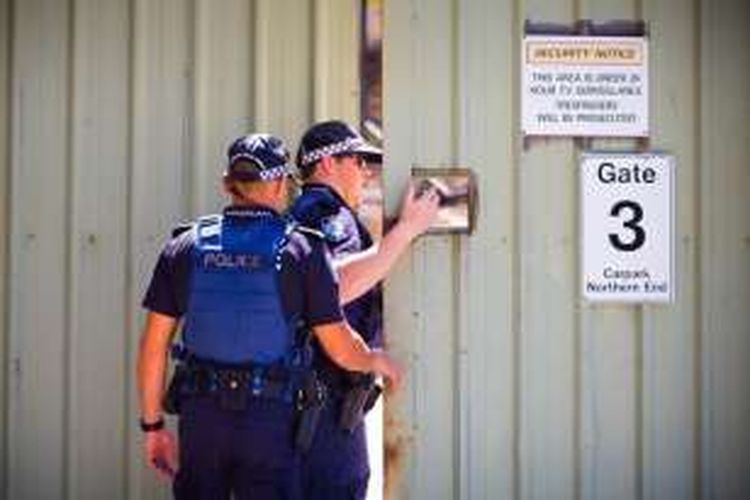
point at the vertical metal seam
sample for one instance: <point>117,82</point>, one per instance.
<point>455,128</point>
<point>362,97</point>
<point>359,110</point>
<point>458,372</point>
<point>69,302</point>
<point>7,249</point>
<point>259,84</point>
<point>698,310</point>
<point>314,55</point>
<point>128,267</point>
<point>456,264</point>
<point>578,446</point>
<point>251,67</point>
<point>577,450</point>
<point>191,184</point>
<point>642,315</point>
<point>255,9</point>
<point>639,407</point>
<point>516,285</point>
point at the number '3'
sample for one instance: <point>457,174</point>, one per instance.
<point>639,235</point>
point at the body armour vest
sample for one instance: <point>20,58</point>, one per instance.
<point>235,313</point>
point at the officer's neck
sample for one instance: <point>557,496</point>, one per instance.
<point>245,204</point>
<point>332,183</point>
<point>263,196</point>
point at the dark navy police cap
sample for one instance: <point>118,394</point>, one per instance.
<point>334,138</point>
<point>257,157</point>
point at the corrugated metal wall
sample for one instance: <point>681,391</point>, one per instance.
<point>112,128</point>
<point>518,389</point>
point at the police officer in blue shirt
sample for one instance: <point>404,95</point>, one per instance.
<point>249,288</point>
<point>332,161</point>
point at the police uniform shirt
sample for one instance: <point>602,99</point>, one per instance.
<point>321,208</point>
<point>307,281</point>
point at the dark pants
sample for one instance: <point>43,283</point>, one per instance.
<point>336,467</point>
<point>247,453</point>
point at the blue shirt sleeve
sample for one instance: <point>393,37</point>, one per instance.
<point>167,292</point>
<point>321,296</point>
<point>308,282</point>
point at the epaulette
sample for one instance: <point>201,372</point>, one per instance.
<point>310,231</point>
<point>181,228</point>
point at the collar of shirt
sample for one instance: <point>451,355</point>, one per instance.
<point>328,189</point>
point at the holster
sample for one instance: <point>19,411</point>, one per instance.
<point>358,400</point>
<point>171,400</point>
<point>310,403</point>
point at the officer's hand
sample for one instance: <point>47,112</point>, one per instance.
<point>389,368</point>
<point>160,448</point>
<point>419,210</point>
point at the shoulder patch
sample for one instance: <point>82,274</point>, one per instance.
<point>333,229</point>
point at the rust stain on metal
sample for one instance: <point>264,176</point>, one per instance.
<point>397,443</point>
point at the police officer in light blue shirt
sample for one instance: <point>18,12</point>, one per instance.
<point>248,288</point>
<point>332,160</point>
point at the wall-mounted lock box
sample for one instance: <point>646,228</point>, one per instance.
<point>458,197</point>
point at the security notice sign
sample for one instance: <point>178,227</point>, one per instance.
<point>626,220</point>
<point>585,86</point>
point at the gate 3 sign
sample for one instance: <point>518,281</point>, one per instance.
<point>626,220</point>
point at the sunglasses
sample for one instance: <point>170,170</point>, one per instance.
<point>358,159</point>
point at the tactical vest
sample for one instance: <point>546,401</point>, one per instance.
<point>235,313</point>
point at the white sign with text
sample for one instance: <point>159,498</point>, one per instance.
<point>627,227</point>
<point>585,86</point>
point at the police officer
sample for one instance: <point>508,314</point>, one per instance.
<point>247,285</point>
<point>332,161</point>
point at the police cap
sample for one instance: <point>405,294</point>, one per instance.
<point>334,138</point>
<point>257,157</point>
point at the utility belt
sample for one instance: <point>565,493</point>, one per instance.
<point>234,385</point>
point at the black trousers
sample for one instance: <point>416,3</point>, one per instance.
<point>337,466</point>
<point>248,454</point>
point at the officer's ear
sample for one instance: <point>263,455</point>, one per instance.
<point>230,187</point>
<point>327,165</point>
<point>279,190</point>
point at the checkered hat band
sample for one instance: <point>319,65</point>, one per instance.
<point>266,174</point>
<point>330,150</point>
<point>273,173</point>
